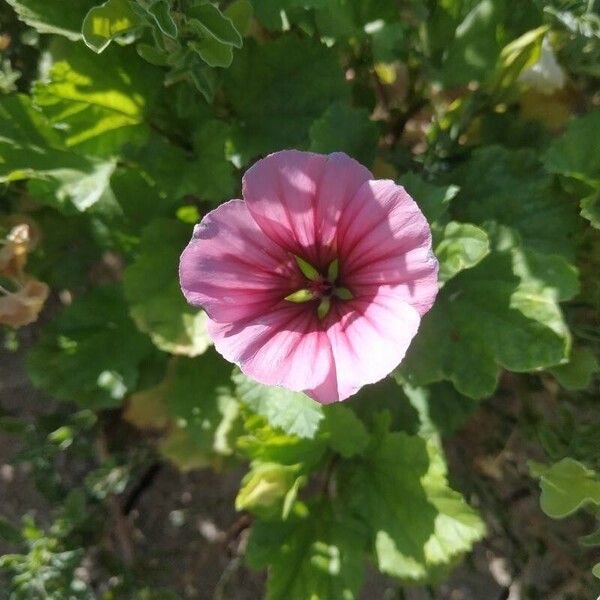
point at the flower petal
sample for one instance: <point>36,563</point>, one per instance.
<point>231,269</point>
<point>286,347</point>
<point>369,337</point>
<point>385,240</point>
<point>297,198</point>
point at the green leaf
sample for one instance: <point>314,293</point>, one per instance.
<point>596,571</point>
<point>213,52</point>
<point>293,412</point>
<point>442,410</point>
<point>84,190</point>
<point>503,313</point>
<point>152,290</point>
<point>30,148</point>
<point>578,373</point>
<point>161,14</point>
<point>566,487</point>
<point>104,23</point>
<point>343,128</point>
<point>265,443</point>
<point>346,433</point>
<point>517,56</point>
<point>214,24</point>
<point>283,98</point>
<point>51,17</point>
<point>341,19</point>
<point>100,102</point>
<point>207,174</point>
<point>511,187</point>
<point>203,80</point>
<point>269,490</point>
<point>590,209</point>
<point>575,153</point>
<point>316,555</point>
<point>240,12</point>
<point>276,15</point>
<point>473,53</point>
<point>198,398</point>
<point>590,540</point>
<point>153,55</point>
<point>9,533</point>
<point>418,525</point>
<point>433,200</point>
<point>462,246</point>
<point>90,353</point>
<point>193,408</point>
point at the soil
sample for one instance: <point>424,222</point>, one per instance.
<point>185,533</point>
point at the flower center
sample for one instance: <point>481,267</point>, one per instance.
<point>320,288</point>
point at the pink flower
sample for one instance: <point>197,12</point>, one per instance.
<point>318,279</point>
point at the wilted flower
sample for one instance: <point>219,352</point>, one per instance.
<point>14,250</point>
<point>23,306</point>
<point>318,279</point>
<point>546,75</point>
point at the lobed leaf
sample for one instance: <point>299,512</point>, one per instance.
<point>104,23</point>
<point>343,128</point>
<point>503,313</point>
<point>91,353</point>
<point>152,289</point>
<point>417,524</point>
<point>566,487</point>
<point>50,17</point>
<point>283,97</point>
<point>317,553</point>
<point>293,412</point>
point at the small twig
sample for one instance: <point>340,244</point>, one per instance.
<point>327,476</point>
<point>142,485</point>
<point>122,526</point>
<point>226,576</point>
<point>236,529</point>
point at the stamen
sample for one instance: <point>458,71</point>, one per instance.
<point>333,270</point>
<point>343,293</point>
<point>307,269</point>
<point>299,296</point>
<point>324,307</point>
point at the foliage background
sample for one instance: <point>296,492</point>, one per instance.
<point>123,122</point>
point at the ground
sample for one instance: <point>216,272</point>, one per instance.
<point>184,531</point>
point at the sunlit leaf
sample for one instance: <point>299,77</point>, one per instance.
<point>346,433</point>
<point>100,102</point>
<point>512,188</point>
<point>51,17</point>
<point>104,23</point>
<point>315,554</point>
<point>293,412</point>
<point>416,522</point>
<point>461,246</point>
<point>31,149</point>
<point>152,290</point>
<point>502,313</point>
